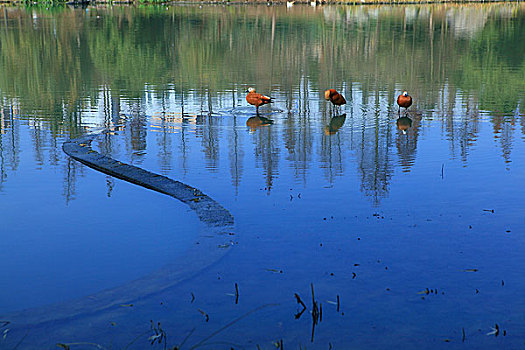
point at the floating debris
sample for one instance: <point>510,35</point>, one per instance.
<point>192,298</point>
<point>126,305</point>
<point>274,270</point>
<point>236,294</point>
<point>206,316</point>
<point>471,270</point>
<point>489,210</point>
<point>463,337</point>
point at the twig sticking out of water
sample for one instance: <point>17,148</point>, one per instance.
<point>236,294</point>
<point>159,336</point>
<point>463,337</point>
<point>316,313</point>
<point>299,301</point>
<point>442,167</point>
<point>204,314</point>
<point>494,331</point>
<point>337,302</point>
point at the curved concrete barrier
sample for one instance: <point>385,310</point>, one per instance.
<point>208,210</point>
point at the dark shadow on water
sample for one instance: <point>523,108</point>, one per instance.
<point>258,121</point>
<point>403,124</point>
<point>335,124</point>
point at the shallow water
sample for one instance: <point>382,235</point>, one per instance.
<point>341,199</point>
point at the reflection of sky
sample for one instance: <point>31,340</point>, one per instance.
<point>412,198</point>
<point>155,132</point>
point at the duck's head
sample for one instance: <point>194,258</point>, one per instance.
<point>405,93</point>
<point>328,93</point>
<point>250,89</point>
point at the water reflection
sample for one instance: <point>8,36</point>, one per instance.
<point>171,97</point>
<point>256,122</point>
<point>403,124</point>
<point>335,124</point>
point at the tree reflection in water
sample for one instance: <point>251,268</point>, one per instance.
<point>153,72</point>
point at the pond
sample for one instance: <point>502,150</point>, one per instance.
<point>395,229</point>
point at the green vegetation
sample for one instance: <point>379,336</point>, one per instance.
<point>61,59</point>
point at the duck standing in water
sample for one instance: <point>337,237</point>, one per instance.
<point>333,96</point>
<point>404,100</point>
<point>256,99</point>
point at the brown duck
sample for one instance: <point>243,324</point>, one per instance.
<point>333,96</point>
<point>404,100</point>
<point>256,99</point>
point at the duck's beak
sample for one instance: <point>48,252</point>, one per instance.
<point>247,90</point>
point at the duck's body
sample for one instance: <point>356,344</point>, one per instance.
<point>404,100</point>
<point>333,96</point>
<point>256,99</point>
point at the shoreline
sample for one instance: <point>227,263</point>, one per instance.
<point>255,2</point>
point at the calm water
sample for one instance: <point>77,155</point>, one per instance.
<point>419,233</point>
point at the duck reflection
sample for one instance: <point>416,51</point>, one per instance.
<point>256,122</point>
<point>406,142</point>
<point>403,124</point>
<point>335,124</point>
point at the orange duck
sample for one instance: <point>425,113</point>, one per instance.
<point>333,96</point>
<point>256,99</point>
<point>404,100</point>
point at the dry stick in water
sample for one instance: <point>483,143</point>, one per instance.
<point>299,301</point>
<point>315,313</point>
<point>236,294</point>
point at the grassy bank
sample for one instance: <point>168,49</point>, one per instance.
<point>265,2</point>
